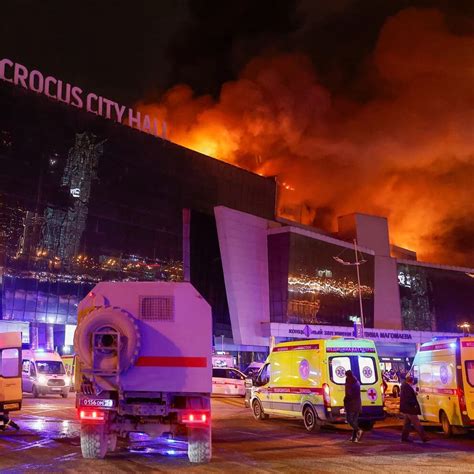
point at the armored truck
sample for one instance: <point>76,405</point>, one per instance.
<point>144,364</point>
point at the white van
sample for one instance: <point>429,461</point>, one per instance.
<point>43,372</point>
<point>444,381</point>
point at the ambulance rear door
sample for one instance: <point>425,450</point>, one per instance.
<point>10,371</point>
<point>467,364</point>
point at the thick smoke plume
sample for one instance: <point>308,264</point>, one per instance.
<point>404,151</point>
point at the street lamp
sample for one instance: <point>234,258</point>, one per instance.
<point>357,264</point>
<point>465,328</point>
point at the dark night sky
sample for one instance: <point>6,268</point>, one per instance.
<point>130,50</point>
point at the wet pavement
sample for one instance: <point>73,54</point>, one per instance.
<point>48,441</point>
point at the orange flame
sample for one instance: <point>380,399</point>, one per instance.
<point>405,153</point>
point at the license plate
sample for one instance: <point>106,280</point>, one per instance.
<point>56,388</point>
<point>97,402</point>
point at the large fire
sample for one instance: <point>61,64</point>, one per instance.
<point>405,151</point>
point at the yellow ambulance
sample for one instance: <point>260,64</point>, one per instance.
<point>307,380</point>
<point>444,380</point>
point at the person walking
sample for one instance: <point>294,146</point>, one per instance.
<point>353,405</point>
<point>410,408</point>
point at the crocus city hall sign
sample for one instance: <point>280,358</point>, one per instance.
<point>61,91</point>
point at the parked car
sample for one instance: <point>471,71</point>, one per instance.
<point>226,381</point>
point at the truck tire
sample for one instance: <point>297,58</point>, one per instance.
<point>111,442</point>
<point>93,441</point>
<point>199,444</point>
<point>35,391</point>
<point>65,393</point>
<point>108,317</point>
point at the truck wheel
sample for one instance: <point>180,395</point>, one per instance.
<point>111,442</point>
<point>257,411</point>
<point>310,419</point>
<point>65,394</point>
<point>199,444</point>
<point>35,391</point>
<point>396,392</point>
<point>366,425</point>
<point>93,441</point>
<point>446,425</point>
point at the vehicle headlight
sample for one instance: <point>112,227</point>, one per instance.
<point>42,380</point>
<point>67,380</point>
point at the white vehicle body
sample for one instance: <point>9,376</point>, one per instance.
<point>444,376</point>
<point>227,381</point>
<point>144,365</point>
<point>10,375</point>
<point>43,373</point>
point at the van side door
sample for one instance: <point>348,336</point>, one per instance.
<point>25,376</point>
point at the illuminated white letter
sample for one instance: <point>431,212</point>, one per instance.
<point>89,102</point>
<point>67,97</point>
<point>146,124</point>
<point>76,93</point>
<point>49,80</point>
<point>119,110</point>
<point>108,104</point>
<point>36,76</point>
<point>3,63</point>
<point>133,120</point>
<point>20,74</point>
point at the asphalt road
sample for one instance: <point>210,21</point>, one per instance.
<point>49,442</point>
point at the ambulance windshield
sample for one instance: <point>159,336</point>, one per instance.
<point>363,367</point>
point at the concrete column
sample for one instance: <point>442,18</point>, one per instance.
<point>50,337</point>
<point>34,336</point>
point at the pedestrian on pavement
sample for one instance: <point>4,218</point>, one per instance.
<point>410,408</point>
<point>353,405</point>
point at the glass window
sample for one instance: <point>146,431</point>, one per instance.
<point>9,363</point>
<point>218,373</point>
<point>425,373</point>
<point>50,367</point>
<point>470,372</point>
<point>264,376</point>
<point>367,370</point>
<point>338,367</point>
<point>26,366</point>
<point>233,374</point>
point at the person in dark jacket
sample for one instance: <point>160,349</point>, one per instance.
<point>410,408</point>
<point>353,405</point>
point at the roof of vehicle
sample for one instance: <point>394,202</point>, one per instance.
<point>333,342</point>
<point>41,354</point>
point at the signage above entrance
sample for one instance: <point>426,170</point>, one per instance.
<point>61,91</point>
<point>301,331</point>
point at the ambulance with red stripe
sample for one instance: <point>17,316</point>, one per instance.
<point>307,380</point>
<point>444,381</point>
<point>144,365</point>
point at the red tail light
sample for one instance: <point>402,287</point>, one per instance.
<point>462,401</point>
<point>91,415</point>
<point>195,418</point>
<point>326,395</point>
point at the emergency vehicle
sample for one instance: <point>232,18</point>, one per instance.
<point>144,365</point>
<point>307,380</point>
<point>43,373</point>
<point>444,380</point>
<point>10,375</point>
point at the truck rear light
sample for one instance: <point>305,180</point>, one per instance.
<point>462,401</point>
<point>326,395</point>
<point>91,415</point>
<point>195,418</point>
